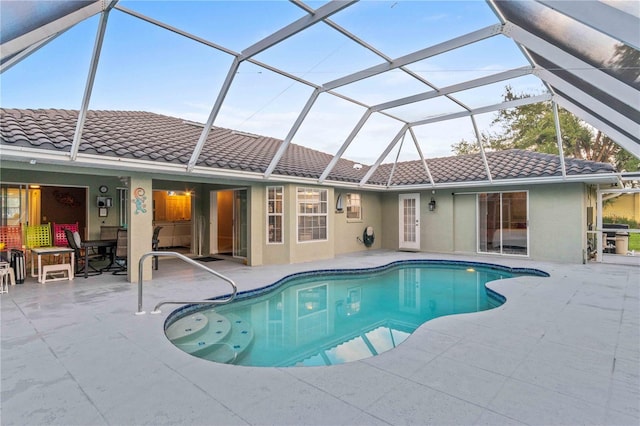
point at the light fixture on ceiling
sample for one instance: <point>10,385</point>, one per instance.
<point>33,161</point>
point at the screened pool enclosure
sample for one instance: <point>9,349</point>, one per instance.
<point>396,80</point>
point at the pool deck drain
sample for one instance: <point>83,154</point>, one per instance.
<point>561,350</point>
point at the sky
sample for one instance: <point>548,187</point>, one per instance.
<point>144,67</point>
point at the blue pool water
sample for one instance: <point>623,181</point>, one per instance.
<point>333,317</point>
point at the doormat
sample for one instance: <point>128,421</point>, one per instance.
<point>207,259</point>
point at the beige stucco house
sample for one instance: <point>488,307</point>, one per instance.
<point>516,203</point>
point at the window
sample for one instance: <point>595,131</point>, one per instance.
<point>354,208</point>
<point>503,223</point>
<point>312,214</point>
<point>275,201</point>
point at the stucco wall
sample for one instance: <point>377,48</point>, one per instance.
<point>557,221</point>
<point>557,217</point>
<point>274,253</point>
<point>342,236</point>
<point>465,239</point>
<point>436,227</point>
<point>311,250</point>
<point>348,232</point>
<point>389,213</point>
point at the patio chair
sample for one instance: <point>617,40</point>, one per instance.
<point>155,242</point>
<point>10,238</point>
<point>121,252</point>
<point>38,236</point>
<point>81,263</point>
<point>6,276</point>
<point>109,232</point>
<point>59,238</point>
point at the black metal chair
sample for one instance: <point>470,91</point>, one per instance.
<point>155,242</point>
<point>75,242</point>
<point>121,255</point>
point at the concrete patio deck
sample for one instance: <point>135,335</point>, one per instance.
<point>561,350</point>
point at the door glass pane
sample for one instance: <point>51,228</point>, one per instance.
<point>240,223</point>
<point>409,220</point>
<point>489,233</point>
<point>502,223</point>
<point>514,223</point>
<point>13,204</point>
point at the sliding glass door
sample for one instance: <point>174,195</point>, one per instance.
<point>503,223</point>
<point>240,223</point>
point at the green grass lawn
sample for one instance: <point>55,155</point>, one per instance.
<point>634,241</point>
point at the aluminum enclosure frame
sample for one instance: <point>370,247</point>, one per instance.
<point>623,128</point>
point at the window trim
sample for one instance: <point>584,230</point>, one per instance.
<point>274,214</point>
<point>347,201</point>
<point>299,215</point>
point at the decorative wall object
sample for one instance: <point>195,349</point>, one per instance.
<point>65,198</point>
<point>140,200</point>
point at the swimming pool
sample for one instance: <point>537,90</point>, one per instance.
<point>335,316</point>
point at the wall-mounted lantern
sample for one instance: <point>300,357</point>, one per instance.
<point>432,204</point>
<point>339,205</point>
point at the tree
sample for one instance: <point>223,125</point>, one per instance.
<point>532,127</point>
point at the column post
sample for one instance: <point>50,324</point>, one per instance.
<point>140,226</point>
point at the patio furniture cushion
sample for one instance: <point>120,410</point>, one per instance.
<point>77,239</point>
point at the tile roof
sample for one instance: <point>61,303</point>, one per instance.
<point>159,138</point>
<point>508,164</point>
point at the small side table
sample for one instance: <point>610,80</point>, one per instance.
<point>39,251</point>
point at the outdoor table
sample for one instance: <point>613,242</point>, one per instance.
<point>94,244</point>
<point>39,251</point>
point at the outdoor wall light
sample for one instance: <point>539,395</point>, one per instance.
<point>339,205</point>
<point>432,204</point>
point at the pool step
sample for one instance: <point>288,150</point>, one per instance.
<point>221,339</point>
<point>229,349</point>
<point>189,328</point>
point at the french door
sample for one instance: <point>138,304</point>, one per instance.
<point>409,220</point>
